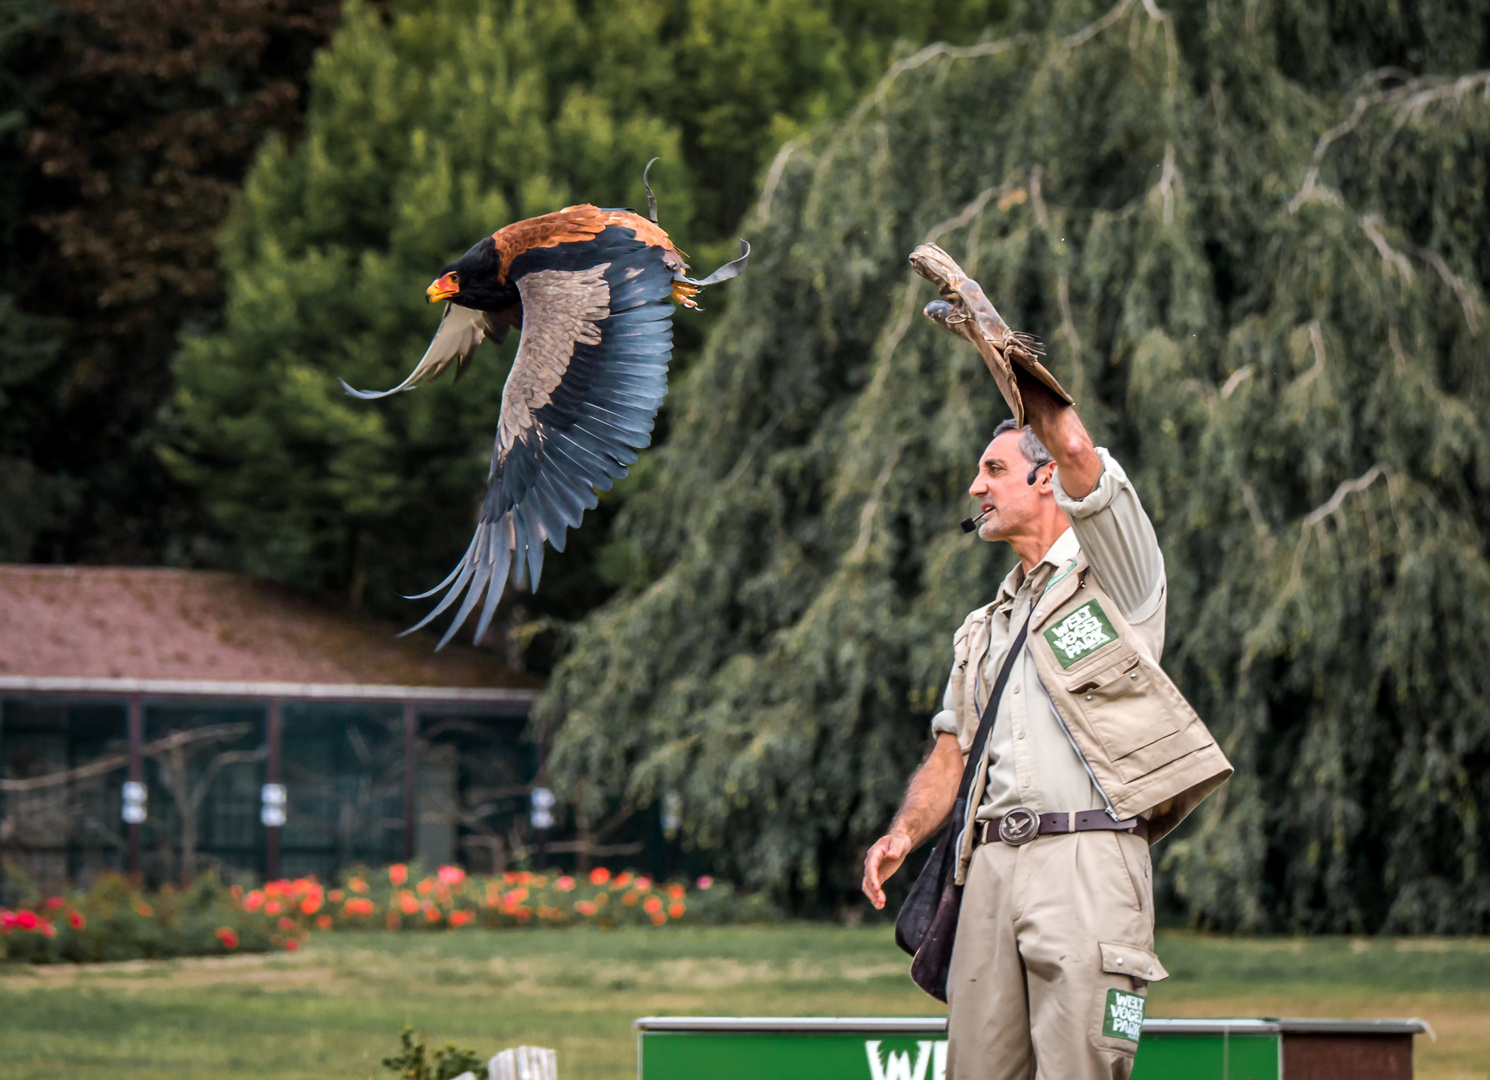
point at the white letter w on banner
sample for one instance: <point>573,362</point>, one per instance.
<point>897,1063</point>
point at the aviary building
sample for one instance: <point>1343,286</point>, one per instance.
<point>163,722</point>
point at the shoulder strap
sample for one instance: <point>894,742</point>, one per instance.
<point>990,712</point>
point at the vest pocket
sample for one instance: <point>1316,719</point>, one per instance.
<point>1128,714</point>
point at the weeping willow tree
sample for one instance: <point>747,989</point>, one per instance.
<point>1255,238</point>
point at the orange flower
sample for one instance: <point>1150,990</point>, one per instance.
<point>310,905</point>
<point>432,913</point>
<point>623,879</point>
<point>676,891</point>
<point>584,907</point>
<point>653,906</point>
<point>358,905</point>
<point>599,876</point>
<point>630,899</point>
<point>336,896</point>
<point>324,922</point>
<point>425,886</point>
<point>398,873</point>
<point>461,918</point>
<point>406,902</point>
<point>227,936</point>
<point>272,908</point>
<point>658,918</point>
<point>145,910</point>
<point>357,884</point>
<point>675,910</point>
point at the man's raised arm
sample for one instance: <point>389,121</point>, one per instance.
<point>928,800</point>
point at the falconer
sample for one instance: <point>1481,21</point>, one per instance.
<point>1093,754</point>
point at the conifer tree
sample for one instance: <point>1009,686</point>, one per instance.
<point>429,126</point>
<point>1254,239</point>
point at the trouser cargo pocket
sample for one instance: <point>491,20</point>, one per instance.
<point>1120,995</point>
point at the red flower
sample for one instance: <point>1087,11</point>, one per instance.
<point>76,919</point>
<point>358,905</point>
<point>398,873</point>
<point>675,910</point>
<point>451,875</point>
<point>658,918</point>
<point>310,905</point>
<point>623,879</point>
<point>705,882</point>
<point>27,920</point>
<point>565,883</point>
<point>653,906</point>
<point>584,907</point>
<point>226,935</point>
<point>273,907</point>
<point>291,944</point>
<point>287,923</point>
<point>253,901</point>
<point>460,918</point>
<point>54,902</point>
<point>144,911</point>
<point>324,922</point>
<point>599,876</point>
<point>336,896</point>
<point>357,884</point>
<point>407,903</point>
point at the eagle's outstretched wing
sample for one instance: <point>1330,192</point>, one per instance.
<point>597,290</point>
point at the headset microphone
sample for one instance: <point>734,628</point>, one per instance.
<point>969,524</point>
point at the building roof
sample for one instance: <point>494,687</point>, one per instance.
<point>192,626</point>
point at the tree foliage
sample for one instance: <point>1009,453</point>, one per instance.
<point>1255,240</point>
<point>131,126</point>
<point>428,127</point>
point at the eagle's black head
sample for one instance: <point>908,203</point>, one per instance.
<point>472,281</point>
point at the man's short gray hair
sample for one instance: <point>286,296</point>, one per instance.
<point>1029,443</point>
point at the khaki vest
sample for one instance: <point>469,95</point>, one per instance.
<point>1144,746</point>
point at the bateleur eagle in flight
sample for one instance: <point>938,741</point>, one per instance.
<point>592,290</point>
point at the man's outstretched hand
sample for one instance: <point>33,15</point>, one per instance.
<point>883,858</point>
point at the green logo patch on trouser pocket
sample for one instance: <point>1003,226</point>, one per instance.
<point>1123,1017</point>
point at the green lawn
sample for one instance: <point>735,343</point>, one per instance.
<point>336,1007</point>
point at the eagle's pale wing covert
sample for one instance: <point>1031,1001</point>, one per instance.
<point>461,330</point>
<point>589,376</point>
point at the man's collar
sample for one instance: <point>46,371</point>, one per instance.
<point>1065,548</point>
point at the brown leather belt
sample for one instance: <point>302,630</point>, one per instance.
<point>1021,825</point>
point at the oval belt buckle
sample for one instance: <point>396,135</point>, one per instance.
<point>1019,826</point>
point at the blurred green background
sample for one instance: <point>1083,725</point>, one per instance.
<point>1254,236</point>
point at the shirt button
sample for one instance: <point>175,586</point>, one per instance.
<point>1021,733</point>
<point>1016,689</point>
<point>1024,784</point>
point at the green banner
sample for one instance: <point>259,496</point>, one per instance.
<point>791,1055</point>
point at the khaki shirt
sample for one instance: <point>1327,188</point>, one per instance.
<point>1030,760</point>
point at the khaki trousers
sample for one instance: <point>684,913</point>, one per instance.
<point>1049,933</point>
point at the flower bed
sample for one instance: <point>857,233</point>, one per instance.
<point>112,921</point>
<point>398,897</point>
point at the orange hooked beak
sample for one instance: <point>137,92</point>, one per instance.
<point>443,288</point>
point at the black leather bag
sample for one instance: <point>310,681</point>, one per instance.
<point>927,924</point>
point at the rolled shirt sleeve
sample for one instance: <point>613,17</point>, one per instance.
<point>945,722</point>
<point>1118,539</point>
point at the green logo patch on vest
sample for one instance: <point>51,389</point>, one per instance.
<point>1083,631</point>
<point>1123,1017</point>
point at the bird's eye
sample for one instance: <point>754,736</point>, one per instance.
<point>454,278</point>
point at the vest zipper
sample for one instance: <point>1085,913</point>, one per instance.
<point>1085,764</point>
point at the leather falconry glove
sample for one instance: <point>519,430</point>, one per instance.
<point>966,312</point>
